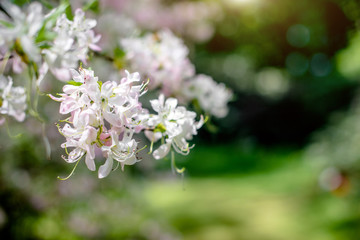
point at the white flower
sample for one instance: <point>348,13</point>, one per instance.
<point>24,27</point>
<point>123,151</point>
<point>72,44</point>
<point>83,142</point>
<point>162,57</point>
<point>175,124</point>
<point>212,97</point>
<point>95,106</point>
<point>12,99</point>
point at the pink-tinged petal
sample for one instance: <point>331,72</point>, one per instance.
<point>94,47</point>
<point>67,130</point>
<point>93,91</point>
<point>69,89</point>
<point>105,169</point>
<point>56,98</point>
<point>162,151</point>
<point>88,136</point>
<point>62,74</point>
<point>79,14</point>
<point>18,65</point>
<point>76,76</point>
<point>96,38</point>
<point>138,128</point>
<point>104,136</point>
<point>89,160</point>
<point>68,105</point>
<point>19,116</point>
<point>113,119</point>
<point>75,155</point>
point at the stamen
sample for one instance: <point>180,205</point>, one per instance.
<point>117,166</point>
<point>58,127</point>
<point>141,149</point>
<point>66,149</point>
<point>174,167</point>
<point>72,172</point>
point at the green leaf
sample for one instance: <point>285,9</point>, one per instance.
<point>69,13</point>
<point>160,128</point>
<point>46,4</point>
<point>100,84</point>
<point>6,24</point>
<point>45,46</point>
<point>72,82</point>
<point>119,53</point>
<point>19,2</point>
<point>92,5</point>
<point>49,22</point>
<point>119,57</point>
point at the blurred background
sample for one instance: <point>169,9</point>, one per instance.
<point>284,164</point>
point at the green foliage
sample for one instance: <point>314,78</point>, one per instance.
<point>72,82</point>
<point>92,5</point>
<point>20,2</point>
<point>69,13</point>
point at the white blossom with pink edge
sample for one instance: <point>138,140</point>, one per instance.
<point>96,107</point>
<point>123,151</point>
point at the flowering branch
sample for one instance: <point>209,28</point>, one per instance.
<point>105,115</point>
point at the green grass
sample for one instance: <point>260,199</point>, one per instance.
<point>234,191</point>
<point>284,203</point>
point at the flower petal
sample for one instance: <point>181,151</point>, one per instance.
<point>171,103</point>
<point>90,162</point>
<point>153,136</point>
<point>162,151</point>
<point>105,169</point>
<point>155,104</point>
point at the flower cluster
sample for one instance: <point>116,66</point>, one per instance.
<point>48,41</point>
<point>101,114</point>
<point>12,100</point>
<point>104,117</point>
<point>173,124</point>
<point>19,30</point>
<point>164,59</point>
<point>212,97</point>
<point>107,115</point>
<point>72,44</point>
